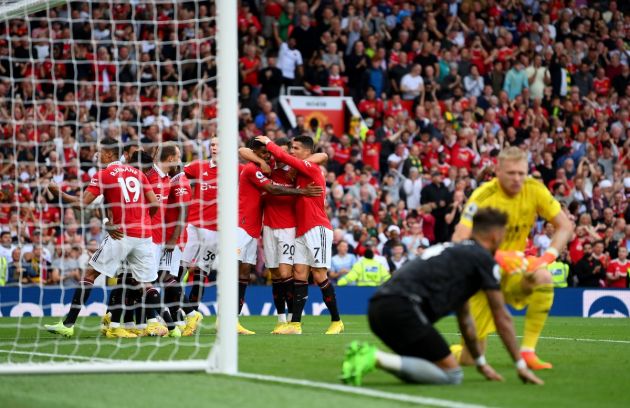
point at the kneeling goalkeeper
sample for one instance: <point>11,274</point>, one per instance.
<point>403,311</point>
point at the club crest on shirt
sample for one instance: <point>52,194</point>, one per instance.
<point>470,211</point>
<point>180,191</point>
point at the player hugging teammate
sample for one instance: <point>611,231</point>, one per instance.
<point>153,215</point>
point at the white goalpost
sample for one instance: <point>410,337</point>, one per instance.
<point>25,348</point>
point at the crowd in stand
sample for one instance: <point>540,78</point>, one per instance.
<point>442,87</point>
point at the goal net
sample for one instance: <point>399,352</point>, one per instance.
<point>143,72</point>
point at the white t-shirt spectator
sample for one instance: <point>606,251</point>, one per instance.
<point>474,86</point>
<point>289,60</point>
<point>413,84</point>
<point>542,242</point>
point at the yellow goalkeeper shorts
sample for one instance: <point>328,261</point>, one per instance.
<point>480,310</point>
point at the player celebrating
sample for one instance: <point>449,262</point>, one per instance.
<point>313,245</point>
<point>170,262</point>
<point>169,157</point>
<point>523,199</point>
<point>200,251</point>
<point>404,309</point>
<point>279,223</point>
<point>252,183</point>
<point>127,193</point>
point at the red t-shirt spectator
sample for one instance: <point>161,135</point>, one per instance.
<point>371,154</point>
<point>601,85</point>
<point>463,157</point>
<point>342,153</point>
<point>616,266</point>
<point>252,64</point>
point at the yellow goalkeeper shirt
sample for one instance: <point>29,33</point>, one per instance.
<point>522,209</point>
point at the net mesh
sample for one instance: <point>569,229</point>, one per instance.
<point>71,73</point>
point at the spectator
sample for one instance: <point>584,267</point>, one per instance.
<point>473,83</point>
<point>618,270</point>
<point>588,270</point>
<point>543,240</point>
<point>437,196</point>
<point>397,258</point>
<point>515,81</point>
<point>20,270</point>
<point>412,84</point>
<point>342,262</point>
<point>6,245</point>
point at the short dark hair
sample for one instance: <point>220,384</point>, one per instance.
<point>167,150</point>
<point>282,141</point>
<point>305,141</point>
<point>368,253</point>
<point>129,145</point>
<point>110,144</point>
<point>254,144</point>
<point>141,160</point>
<point>3,233</point>
<point>488,218</point>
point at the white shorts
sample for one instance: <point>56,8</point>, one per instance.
<point>247,247</point>
<point>138,252</point>
<point>157,252</point>
<point>314,248</point>
<point>201,248</point>
<point>170,261</point>
<point>278,246</point>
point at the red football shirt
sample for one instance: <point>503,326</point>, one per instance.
<point>310,211</point>
<point>250,189</point>
<point>463,157</point>
<point>124,189</point>
<point>279,210</point>
<point>203,208</point>
<point>161,185</point>
<point>179,196</point>
<point>617,266</point>
<point>601,86</point>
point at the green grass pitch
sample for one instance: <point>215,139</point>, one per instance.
<point>591,358</point>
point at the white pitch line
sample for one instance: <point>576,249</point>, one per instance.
<point>366,392</point>
<point>35,353</point>
<point>585,340</point>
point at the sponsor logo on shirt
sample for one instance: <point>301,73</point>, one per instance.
<point>207,186</point>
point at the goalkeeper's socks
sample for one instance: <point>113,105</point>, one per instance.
<point>328,294</point>
<point>81,294</point>
<point>242,288</point>
<point>278,293</point>
<point>538,309</point>
<point>300,290</point>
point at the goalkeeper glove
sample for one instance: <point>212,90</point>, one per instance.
<point>549,256</point>
<point>511,261</point>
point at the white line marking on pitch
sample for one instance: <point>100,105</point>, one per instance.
<point>541,337</point>
<point>366,392</point>
<point>35,353</point>
<point>567,339</point>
